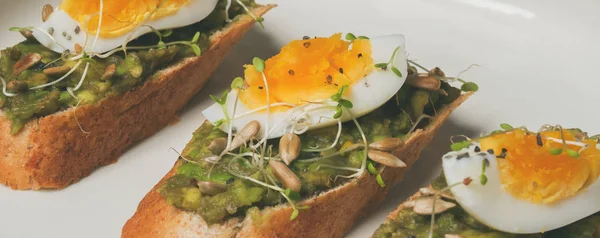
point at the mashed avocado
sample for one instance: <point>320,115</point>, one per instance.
<point>394,119</point>
<point>131,70</point>
<point>456,221</point>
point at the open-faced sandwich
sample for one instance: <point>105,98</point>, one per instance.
<point>99,75</point>
<point>512,183</point>
<point>302,146</point>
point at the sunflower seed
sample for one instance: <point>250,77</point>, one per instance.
<point>425,206</point>
<point>387,144</point>
<point>285,175</point>
<point>409,204</point>
<point>443,92</point>
<point>211,188</point>
<point>289,147</point>
<point>26,63</point>
<point>244,135</point>
<point>28,34</point>
<point>217,145</point>
<point>386,159</point>
<point>212,159</point>
<point>47,10</point>
<point>437,72</point>
<point>424,82</point>
<point>58,70</point>
<point>109,72</point>
<point>430,191</point>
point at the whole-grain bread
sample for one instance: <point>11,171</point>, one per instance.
<point>60,149</point>
<point>331,214</point>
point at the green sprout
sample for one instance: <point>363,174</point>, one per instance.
<point>259,64</point>
<point>506,127</point>
<point>237,83</point>
<point>352,37</point>
<point>342,103</point>
<point>384,66</point>
<point>460,145</point>
<point>380,180</point>
<point>258,19</point>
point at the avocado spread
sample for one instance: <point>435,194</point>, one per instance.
<point>128,70</point>
<point>395,119</point>
<point>456,221</point>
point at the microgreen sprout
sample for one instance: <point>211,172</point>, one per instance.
<point>237,83</point>
<point>380,180</point>
<point>483,178</point>
<point>258,19</point>
<point>341,102</point>
<point>259,65</point>
<point>506,127</point>
<point>467,181</point>
<point>352,37</point>
<point>384,66</point>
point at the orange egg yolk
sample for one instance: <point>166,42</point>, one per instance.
<point>307,71</point>
<point>530,172</point>
<point>119,17</point>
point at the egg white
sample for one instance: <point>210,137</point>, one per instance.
<point>367,94</point>
<point>61,22</point>
<point>498,209</point>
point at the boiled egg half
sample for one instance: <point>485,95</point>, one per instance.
<point>536,182</point>
<point>102,25</point>
<point>295,93</point>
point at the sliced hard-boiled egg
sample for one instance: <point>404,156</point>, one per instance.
<point>102,25</point>
<point>295,94</point>
<point>527,182</point>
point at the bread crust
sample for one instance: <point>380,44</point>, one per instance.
<point>60,149</point>
<point>331,214</point>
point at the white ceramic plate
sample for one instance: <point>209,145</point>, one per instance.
<point>538,64</point>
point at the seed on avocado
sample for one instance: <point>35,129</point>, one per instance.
<point>47,10</point>
<point>387,144</point>
<point>425,206</point>
<point>443,92</point>
<point>289,147</point>
<point>17,86</point>
<point>109,72</point>
<point>437,72</point>
<point>386,159</point>
<point>428,191</point>
<point>26,63</point>
<point>217,145</point>
<point>424,82</point>
<point>244,135</point>
<point>56,71</point>
<point>28,34</point>
<point>285,175</point>
<point>211,188</point>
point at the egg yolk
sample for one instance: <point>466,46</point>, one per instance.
<point>119,17</point>
<point>530,172</point>
<point>307,71</point>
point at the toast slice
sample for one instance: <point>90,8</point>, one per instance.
<point>331,214</point>
<point>54,151</point>
<point>420,224</point>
